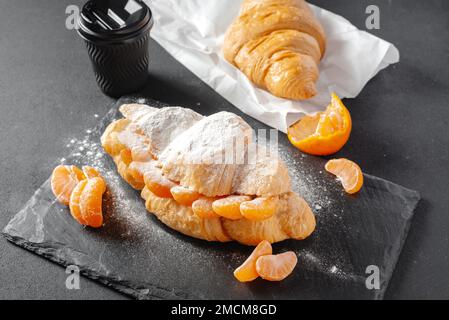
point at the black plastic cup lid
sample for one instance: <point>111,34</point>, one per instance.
<point>113,19</point>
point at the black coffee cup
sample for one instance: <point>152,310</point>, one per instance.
<point>116,33</point>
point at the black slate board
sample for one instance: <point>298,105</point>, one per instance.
<point>137,255</point>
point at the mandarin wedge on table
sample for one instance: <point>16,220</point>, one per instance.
<point>74,204</point>
<point>63,180</point>
<point>184,195</point>
<point>324,133</point>
<point>203,208</point>
<point>247,271</point>
<point>86,202</point>
<point>90,172</point>
<point>276,267</point>
<point>229,207</point>
<point>259,209</point>
<point>157,183</point>
<point>348,172</point>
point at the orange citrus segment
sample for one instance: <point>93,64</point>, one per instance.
<point>276,267</point>
<point>348,172</point>
<point>127,174</point>
<point>136,170</point>
<point>140,154</point>
<point>259,209</point>
<point>157,183</point>
<point>90,172</point>
<point>324,133</point>
<point>90,202</point>
<point>247,271</point>
<point>183,195</point>
<point>75,202</point>
<point>229,207</point>
<point>110,140</point>
<point>203,208</point>
<point>63,180</point>
<point>125,155</point>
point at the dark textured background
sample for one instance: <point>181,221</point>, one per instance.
<point>401,128</point>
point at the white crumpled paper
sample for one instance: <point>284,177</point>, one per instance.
<point>192,31</point>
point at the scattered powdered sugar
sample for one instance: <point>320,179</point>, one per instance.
<point>86,150</point>
<point>313,262</point>
<point>334,269</point>
<point>310,184</point>
<point>124,207</point>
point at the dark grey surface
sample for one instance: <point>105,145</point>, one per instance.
<point>401,124</point>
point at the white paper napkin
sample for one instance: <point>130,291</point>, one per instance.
<point>192,31</point>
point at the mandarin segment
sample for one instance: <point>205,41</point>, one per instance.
<point>348,172</point>
<point>90,202</point>
<point>63,180</point>
<point>74,204</point>
<point>203,208</point>
<point>90,172</point>
<point>157,183</point>
<point>109,139</point>
<point>247,271</point>
<point>137,169</point>
<point>324,133</point>
<point>229,207</point>
<point>141,154</point>
<point>184,195</point>
<point>276,267</point>
<point>126,157</point>
<point>128,174</point>
<point>259,209</point>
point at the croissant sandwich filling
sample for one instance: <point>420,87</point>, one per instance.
<point>206,201</point>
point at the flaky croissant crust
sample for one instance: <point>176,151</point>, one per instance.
<point>277,44</point>
<point>293,217</point>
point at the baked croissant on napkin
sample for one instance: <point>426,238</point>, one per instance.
<point>205,176</point>
<point>278,45</point>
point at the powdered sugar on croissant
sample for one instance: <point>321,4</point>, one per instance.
<point>213,157</point>
<point>198,145</point>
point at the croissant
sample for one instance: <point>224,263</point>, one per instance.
<point>278,45</point>
<point>162,151</point>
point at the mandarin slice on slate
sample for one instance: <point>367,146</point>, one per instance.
<point>276,267</point>
<point>259,209</point>
<point>90,202</point>
<point>247,271</point>
<point>203,208</point>
<point>63,180</point>
<point>90,172</point>
<point>74,205</point>
<point>184,195</point>
<point>348,172</point>
<point>229,207</point>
